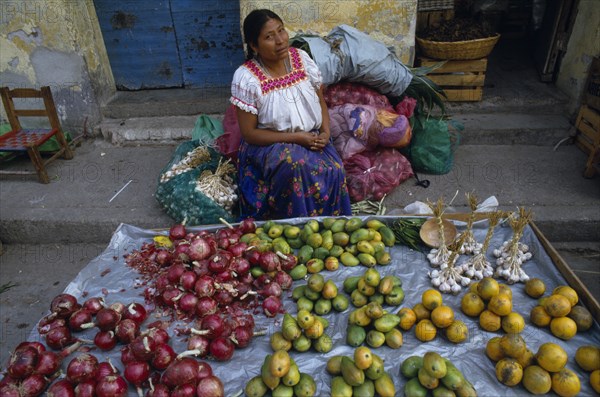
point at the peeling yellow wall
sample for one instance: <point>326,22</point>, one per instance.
<point>584,44</point>
<point>389,21</point>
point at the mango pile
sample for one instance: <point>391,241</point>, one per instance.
<point>492,303</point>
<point>280,374</point>
<point>371,324</point>
<point>588,358</point>
<point>559,310</point>
<point>436,373</point>
<point>371,287</point>
<point>319,295</point>
<point>363,374</point>
<point>302,333</point>
<point>539,373</point>
<point>431,315</point>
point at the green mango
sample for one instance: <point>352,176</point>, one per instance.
<point>355,335</point>
<point>353,224</point>
<point>387,236</point>
<point>306,233</point>
<point>349,260</point>
<point>306,386</point>
<point>293,375</point>
<point>413,388</point>
<point>283,391</point>
<point>315,265</point>
<point>372,277</point>
<point>298,272</point>
<point>281,245</point>
<point>375,224</point>
<point>375,338</point>
<point>322,306</point>
<point>265,373</point>
<point>290,328</point>
<point>410,367</point>
<point>367,389</point>
<point>384,386</point>
<point>321,253</point>
<point>383,258</point>
<point>339,387</point>
<point>336,251</point>
<point>352,375</point>
<point>366,259</point>
<point>298,292</point>
<point>338,226</point>
<point>340,303</point>
<point>305,304</point>
<point>256,387</point>
<point>341,238</point>
<point>351,283</point>
<point>302,344</point>
<point>313,225</point>
<point>327,239</point>
<point>323,344</point>
<point>305,253</point>
<point>396,297</point>
<point>377,298</point>
<point>359,235</point>
<point>376,370</point>
<point>291,232</point>
<point>295,243</point>
<point>312,294</point>
<point>394,339</point>
<point>386,322</point>
<point>328,222</point>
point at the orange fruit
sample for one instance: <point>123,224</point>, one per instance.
<point>565,383</point>
<point>535,287</point>
<point>513,345</point>
<point>442,316</point>
<point>493,349</point>
<point>505,289</point>
<point>526,359</point>
<point>509,372</point>
<point>425,330</point>
<point>421,312</point>
<point>551,357</point>
<point>431,299</point>
<point>588,357</point>
<point>500,304</point>
<point>563,327</point>
<point>457,332</point>
<point>539,317</point>
<point>487,287</point>
<point>568,293</point>
<point>537,380</point>
<point>513,323</point>
<point>582,317</point>
<point>471,304</point>
<point>490,321</point>
<point>557,305</point>
<point>473,287</point>
<point>595,380</point>
<point>408,318</point>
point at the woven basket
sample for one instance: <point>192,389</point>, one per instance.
<point>458,50</point>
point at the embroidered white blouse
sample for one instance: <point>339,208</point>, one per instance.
<point>288,103</point>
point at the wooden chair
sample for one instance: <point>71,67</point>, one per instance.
<point>29,140</point>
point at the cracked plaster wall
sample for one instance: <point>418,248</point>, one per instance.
<point>57,43</point>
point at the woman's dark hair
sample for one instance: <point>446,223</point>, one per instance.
<point>253,24</point>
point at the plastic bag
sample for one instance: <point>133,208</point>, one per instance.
<point>206,130</point>
<point>228,144</point>
<point>431,149</point>
<point>178,196</point>
<point>373,174</point>
<point>359,94</point>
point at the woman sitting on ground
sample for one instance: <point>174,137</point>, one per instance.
<point>287,164</point>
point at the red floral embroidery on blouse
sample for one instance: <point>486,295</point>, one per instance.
<point>268,84</point>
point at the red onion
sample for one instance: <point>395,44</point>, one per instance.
<point>36,345</point>
<point>59,337</point>
<point>204,370</point>
<point>163,257</point>
<point>93,305</point>
<point>247,226</point>
<point>284,280</point>
<point>187,303</point>
<point>204,286</point>
<point>197,346</point>
<point>288,261</point>
<point>223,297</point>
<point>175,271</point>
<point>221,348</point>
<point>201,267</point>
<point>218,262</point>
<point>242,336</point>
<point>163,356</point>
<point>245,320</point>
<point>9,389</point>
<point>105,368</point>
<point>180,372</point>
<point>127,355</point>
<point>136,373</point>
<point>136,312</point>
<point>240,265</point>
<point>271,289</point>
<point>170,296</point>
<point>80,320</point>
<point>177,232</point>
<point>111,386</point>
<point>224,276</point>
<point>105,340</point>
<point>48,363</point>
<point>186,390</point>
<point>63,305</point>
<point>188,279</point>
<point>49,322</point>
<point>34,385</point>
<point>206,306</point>
<point>158,334</point>
<point>143,347</point>
<point>162,283</point>
<point>158,390</point>
<point>211,326</point>
<point>210,386</point>
<point>82,368</point>
<point>62,388</point>
<point>199,249</point>
<point>127,330</point>
<point>107,319</point>
<point>262,280</point>
<point>119,307</point>
<point>269,261</point>
<point>238,249</point>
<point>86,389</point>
<point>182,251</point>
<point>253,256</point>
<point>271,306</point>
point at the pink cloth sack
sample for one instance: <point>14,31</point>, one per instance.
<point>228,144</point>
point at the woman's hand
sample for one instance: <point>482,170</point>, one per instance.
<point>310,140</point>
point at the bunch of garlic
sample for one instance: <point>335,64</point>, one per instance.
<point>477,267</point>
<point>220,186</point>
<point>448,279</point>
<point>192,159</point>
<point>470,246</point>
<point>512,254</point>
<point>439,256</point>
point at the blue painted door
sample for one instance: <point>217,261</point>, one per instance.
<point>176,43</point>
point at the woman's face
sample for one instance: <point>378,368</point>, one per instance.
<point>272,43</point>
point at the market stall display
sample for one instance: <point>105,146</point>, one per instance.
<point>125,289</point>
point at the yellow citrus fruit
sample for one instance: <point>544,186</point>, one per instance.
<point>500,304</point>
<point>526,359</point>
<point>425,330</point>
<point>473,287</point>
<point>490,321</point>
<point>442,316</point>
<point>421,312</point>
<point>408,318</point>
<point>513,323</point>
<point>557,305</point>
<point>457,332</point>
<point>551,357</point>
<point>505,289</point>
<point>471,304</point>
<point>431,299</point>
<point>563,327</point>
<point>582,317</point>
<point>539,317</point>
<point>493,349</point>
<point>565,383</point>
<point>595,380</point>
<point>537,380</point>
<point>487,287</point>
<point>535,287</point>
<point>513,345</point>
<point>588,357</point>
<point>509,372</point>
<point>568,293</point>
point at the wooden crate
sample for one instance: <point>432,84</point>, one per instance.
<point>430,19</point>
<point>588,138</point>
<point>462,81</point>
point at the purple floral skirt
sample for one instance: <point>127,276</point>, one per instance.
<point>286,180</point>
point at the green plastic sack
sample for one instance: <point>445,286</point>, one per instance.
<point>431,148</point>
<point>207,129</point>
<point>180,199</point>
